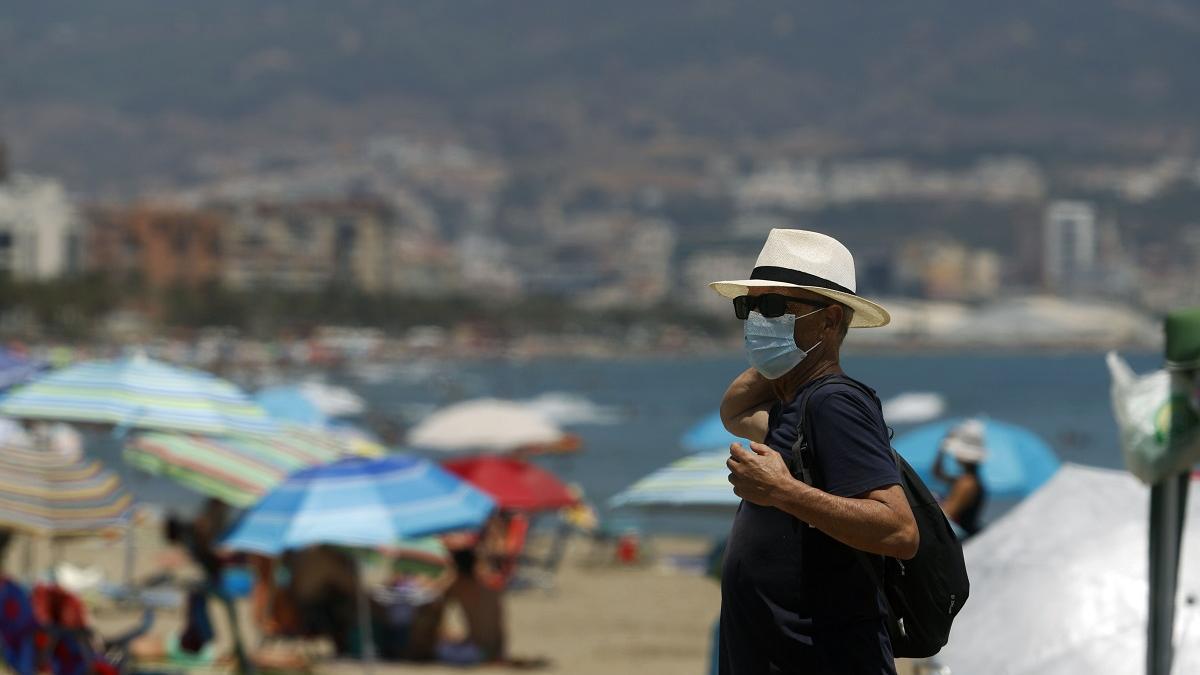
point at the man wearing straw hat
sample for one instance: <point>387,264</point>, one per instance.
<point>797,596</point>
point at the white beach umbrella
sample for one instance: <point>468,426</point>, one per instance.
<point>1059,585</point>
<point>484,425</point>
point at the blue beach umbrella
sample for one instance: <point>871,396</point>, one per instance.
<point>696,481</point>
<point>290,404</point>
<point>707,434</point>
<point>363,503</point>
<point>1018,460</point>
<point>139,392</point>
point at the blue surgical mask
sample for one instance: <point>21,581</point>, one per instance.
<point>771,344</point>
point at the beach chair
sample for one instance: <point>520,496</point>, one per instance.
<point>18,629</point>
<point>540,572</point>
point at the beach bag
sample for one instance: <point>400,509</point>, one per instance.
<point>924,594</point>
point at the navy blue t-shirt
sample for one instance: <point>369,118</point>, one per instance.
<point>793,599</point>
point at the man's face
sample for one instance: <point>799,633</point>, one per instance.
<point>813,328</point>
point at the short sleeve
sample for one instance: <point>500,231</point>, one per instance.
<point>850,444</point>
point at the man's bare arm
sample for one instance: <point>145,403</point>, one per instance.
<point>746,406</point>
<point>879,521</point>
<point>962,493</point>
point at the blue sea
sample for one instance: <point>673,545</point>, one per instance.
<point>1064,398</point>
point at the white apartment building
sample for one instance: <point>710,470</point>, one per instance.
<point>40,229</point>
<point>1070,246</point>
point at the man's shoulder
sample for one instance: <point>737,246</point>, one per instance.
<point>840,391</point>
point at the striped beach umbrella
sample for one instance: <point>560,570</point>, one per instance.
<point>236,469</point>
<point>56,492</point>
<point>16,368</point>
<point>700,481</point>
<point>365,503</point>
<point>138,392</point>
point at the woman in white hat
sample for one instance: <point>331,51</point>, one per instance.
<point>965,501</point>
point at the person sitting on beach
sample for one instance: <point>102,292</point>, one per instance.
<point>324,594</point>
<point>967,496</point>
<point>478,589</point>
<point>409,608</point>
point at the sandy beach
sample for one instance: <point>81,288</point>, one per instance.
<point>599,617</point>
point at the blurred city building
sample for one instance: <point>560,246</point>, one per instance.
<point>40,228</point>
<point>1071,246</point>
<point>947,270</point>
<point>159,246</point>
<point>360,244</point>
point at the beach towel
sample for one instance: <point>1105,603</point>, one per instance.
<point>18,629</point>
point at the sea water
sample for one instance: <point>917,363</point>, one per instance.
<point>650,402</point>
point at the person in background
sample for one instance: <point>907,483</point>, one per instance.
<point>478,587</point>
<point>201,537</point>
<point>967,496</point>
<point>324,591</point>
<point>6,537</point>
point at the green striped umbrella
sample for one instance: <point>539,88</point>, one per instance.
<point>696,481</point>
<point>236,469</point>
<point>56,492</point>
<point>139,393</point>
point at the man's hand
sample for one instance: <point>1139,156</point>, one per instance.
<point>758,475</point>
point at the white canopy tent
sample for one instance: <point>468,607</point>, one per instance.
<point>1059,585</point>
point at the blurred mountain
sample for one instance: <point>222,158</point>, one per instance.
<point>119,92</point>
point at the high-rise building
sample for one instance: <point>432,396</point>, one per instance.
<point>1070,247</point>
<point>39,227</point>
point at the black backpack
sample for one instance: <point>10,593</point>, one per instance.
<point>923,594</point>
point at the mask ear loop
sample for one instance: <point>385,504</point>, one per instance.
<point>810,349</point>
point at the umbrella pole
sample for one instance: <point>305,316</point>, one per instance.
<point>29,541</point>
<point>365,629</point>
<point>1167,502</point>
<point>127,573</point>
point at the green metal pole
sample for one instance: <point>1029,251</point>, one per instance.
<point>1168,502</point>
<point>1168,498</point>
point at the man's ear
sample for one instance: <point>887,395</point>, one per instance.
<point>833,317</point>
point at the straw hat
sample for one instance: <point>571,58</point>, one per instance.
<point>965,442</point>
<point>814,262</point>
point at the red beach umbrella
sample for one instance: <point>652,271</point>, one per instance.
<point>515,484</point>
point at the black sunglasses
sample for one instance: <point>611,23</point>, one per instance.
<point>770,305</point>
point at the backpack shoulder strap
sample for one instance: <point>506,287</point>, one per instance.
<point>806,470</point>
<point>803,464</point>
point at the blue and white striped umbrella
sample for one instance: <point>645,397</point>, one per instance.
<point>138,392</point>
<point>15,369</point>
<point>363,503</point>
<point>698,481</point>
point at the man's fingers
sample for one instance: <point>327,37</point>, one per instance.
<point>761,449</point>
<point>738,453</point>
